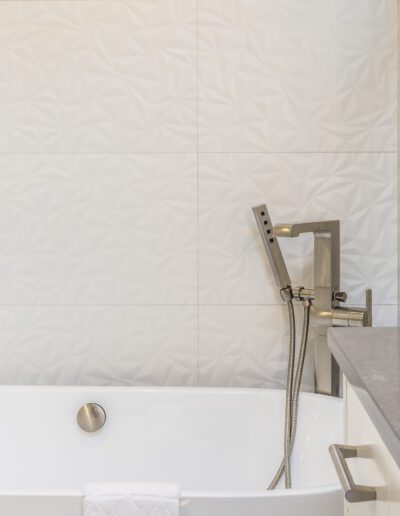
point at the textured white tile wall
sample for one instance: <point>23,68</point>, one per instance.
<point>99,344</point>
<point>101,228</point>
<point>316,75</point>
<point>135,135</point>
<point>93,76</point>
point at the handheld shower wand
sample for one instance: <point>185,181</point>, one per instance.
<point>272,247</point>
<point>282,279</point>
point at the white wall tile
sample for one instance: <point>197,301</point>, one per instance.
<point>358,189</point>
<point>385,315</point>
<point>98,229</point>
<point>98,76</point>
<point>247,346</point>
<point>98,345</point>
<point>103,107</point>
<point>297,76</point>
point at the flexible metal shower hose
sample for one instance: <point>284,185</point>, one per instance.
<point>292,393</point>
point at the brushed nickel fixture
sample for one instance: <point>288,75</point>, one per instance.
<point>353,492</point>
<point>272,248</point>
<point>322,302</point>
<point>91,417</point>
<point>326,296</point>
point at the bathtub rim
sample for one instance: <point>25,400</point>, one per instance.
<point>166,389</point>
<point>186,495</point>
<point>189,495</point>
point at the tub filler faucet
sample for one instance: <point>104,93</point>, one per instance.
<point>326,297</point>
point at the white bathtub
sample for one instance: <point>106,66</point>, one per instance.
<point>221,445</point>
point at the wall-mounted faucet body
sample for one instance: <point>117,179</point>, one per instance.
<point>326,295</point>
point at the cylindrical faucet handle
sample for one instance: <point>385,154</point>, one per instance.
<point>368,307</point>
<point>354,316</point>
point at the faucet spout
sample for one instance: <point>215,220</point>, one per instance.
<point>326,257</point>
<point>294,230</point>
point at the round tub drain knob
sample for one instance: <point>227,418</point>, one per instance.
<point>91,417</point>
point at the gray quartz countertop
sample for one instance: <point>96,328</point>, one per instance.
<point>370,359</point>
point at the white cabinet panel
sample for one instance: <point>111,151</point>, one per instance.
<point>375,466</point>
<point>394,487</point>
<point>371,469</point>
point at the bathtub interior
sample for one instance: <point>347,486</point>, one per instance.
<point>219,440</point>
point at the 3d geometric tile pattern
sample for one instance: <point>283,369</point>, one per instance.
<point>358,189</point>
<point>89,76</point>
<point>98,229</point>
<point>135,135</point>
<point>98,345</point>
<point>246,346</point>
<point>385,315</point>
<point>297,76</point>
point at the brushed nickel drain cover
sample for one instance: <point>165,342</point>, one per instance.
<point>91,417</point>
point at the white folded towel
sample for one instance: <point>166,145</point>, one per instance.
<point>131,499</point>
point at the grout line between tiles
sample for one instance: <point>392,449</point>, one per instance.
<point>298,152</point>
<point>150,305</point>
<point>398,150</point>
<point>184,153</point>
<point>197,194</point>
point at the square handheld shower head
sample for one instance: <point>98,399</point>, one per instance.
<point>271,246</point>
